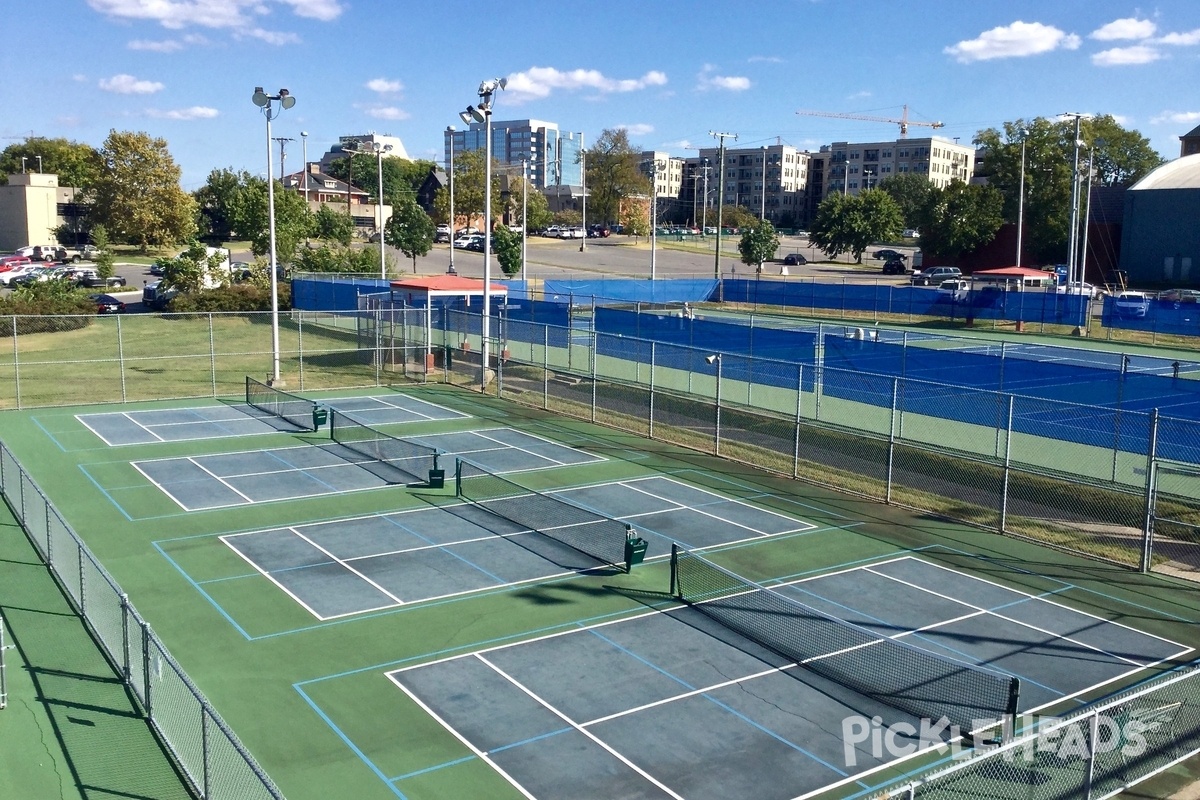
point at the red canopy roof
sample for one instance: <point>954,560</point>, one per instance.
<point>449,284</point>
<point>1014,272</point>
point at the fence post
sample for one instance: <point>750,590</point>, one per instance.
<point>82,586</point>
<point>212,354</point>
<point>147,700</point>
<point>121,358</point>
<point>205,755</point>
<point>126,667</point>
<point>1007,466</point>
<point>796,434</point>
<point>593,339</point>
<point>1148,523</point>
<point>300,346</point>
<point>545,367</point>
<point>717,404</point>
<point>1093,743</point>
<point>16,360</point>
<point>650,428</point>
<point>891,456</point>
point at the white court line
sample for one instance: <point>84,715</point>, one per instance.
<point>808,525</point>
<point>466,742</point>
<point>81,419</point>
<point>346,566</point>
<point>593,737</point>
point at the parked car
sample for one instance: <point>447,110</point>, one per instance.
<point>156,269</point>
<point>1179,296</point>
<point>1080,288</point>
<point>8,262</point>
<point>888,255</point>
<point>911,233</point>
<point>709,230</point>
<point>475,243</point>
<point>794,260</point>
<point>462,241</point>
<point>553,232</point>
<point>802,234</point>
<point>441,237</point>
<point>107,304</point>
<point>571,233</point>
<point>9,275</point>
<point>1131,305</point>
<point>598,232</point>
<point>86,252</point>
<point>89,277</point>
<point>50,253</point>
<point>955,288</point>
<point>935,275</point>
<point>39,274</point>
<point>895,266</point>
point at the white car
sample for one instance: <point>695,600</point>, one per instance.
<point>572,233</point>
<point>1080,288</point>
<point>19,271</point>
<point>1131,305</point>
<point>554,231</point>
<point>462,241</point>
<point>955,288</point>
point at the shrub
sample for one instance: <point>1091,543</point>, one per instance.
<point>240,297</point>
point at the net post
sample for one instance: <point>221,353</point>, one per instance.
<point>458,477</point>
<point>247,390</point>
<point>1014,696</point>
<point>674,590</point>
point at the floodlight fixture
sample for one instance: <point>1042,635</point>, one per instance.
<point>714,358</point>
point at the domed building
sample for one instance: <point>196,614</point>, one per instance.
<point>1160,239</point>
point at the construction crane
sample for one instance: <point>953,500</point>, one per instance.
<point>903,122</point>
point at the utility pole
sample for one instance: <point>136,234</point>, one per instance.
<point>720,137</point>
<point>1071,249</point>
<point>283,140</point>
<point>704,204</point>
<point>583,189</point>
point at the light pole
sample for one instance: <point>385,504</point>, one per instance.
<point>1021,198</point>
<point>39,158</point>
<point>704,205</point>
<point>720,137</point>
<point>867,178</point>
<point>1074,227</point>
<point>583,188</point>
<point>304,156</point>
<point>762,207</point>
<point>715,358</point>
<point>483,113</point>
<point>653,217</point>
<point>524,213</point>
<point>23,165</point>
<point>450,178</point>
<point>266,102</point>
<point>378,149</point>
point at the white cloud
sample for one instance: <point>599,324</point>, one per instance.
<point>79,77</point>
<point>194,112</point>
<point>1186,39</point>
<point>387,112</point>
<point>682,144</point>
<point>1128,28</point>
<point>637,129</point>
<point>1176,117</point>
<point>163,46</point>
<point>1125,56</point>
<point>127,84</point>
<point>707,80</point>
<point>863,95</point>
<point>176,14</point>
<point>1122,120</point>
<point>768,59</point>
<point>278,38</point>
<point>383,85</point>
<point>539,82</point>
<point>1013,41</point>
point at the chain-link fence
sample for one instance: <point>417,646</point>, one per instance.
<point>207,752</point>
<point>1097,752</point>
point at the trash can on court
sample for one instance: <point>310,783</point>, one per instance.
<point>635,549</point>
<point>437,478</point>
<point>320,417</point>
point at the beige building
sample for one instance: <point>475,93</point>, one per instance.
<point>321,189</point>
<point>667,177</point>
<point>850,167</point>
<point>770,179</point>
<point>32,208</point>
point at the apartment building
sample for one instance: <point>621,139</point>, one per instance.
<point>552,154</point>
<point>850,167</point>
<point>664,170</point>
<point>769,179</point>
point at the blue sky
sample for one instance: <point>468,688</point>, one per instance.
<point>670,72</point>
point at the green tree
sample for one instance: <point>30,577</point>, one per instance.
<point>538,207</point>
<point>468,188</point>
<point>221,201</point>
<point>194,269</point>
<point>737,217</point>
<point>1121,157</point>
<point>410,230</point>
<point>76,164</point>
<point>326,259</point>
<point>635,218</point>
<point>911,192</point>
<point>506,245</point>
<point>401,177</point>
<point>333,225</point>
<point>758,244</point>
<point>136,195</point>
<point>851,223</point>
<point>960,218</point>
<point>613,173</point>
<point>104,257</point>
<point>293,220</point>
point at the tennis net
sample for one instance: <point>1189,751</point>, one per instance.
<point>410,459</point>
<point>588,532</point>
<point>290,407</point>
<point>887,670</point>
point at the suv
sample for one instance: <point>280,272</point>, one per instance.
<point>935,275</point>
<point>895,266</point>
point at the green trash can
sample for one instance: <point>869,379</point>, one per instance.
<point>437,478</point>
<point>320,417</point>
<point>635,550</point>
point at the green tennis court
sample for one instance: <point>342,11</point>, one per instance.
<point>407,640</point>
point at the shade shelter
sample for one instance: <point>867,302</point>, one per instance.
<point>425,291</point>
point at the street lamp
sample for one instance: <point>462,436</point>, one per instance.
<point>762,208</point>
<point>583,189</point>
<point>867,178</point>
<point>653,214</point>
<point>524,214</point>
<point>483,113</point>
<point>266,102</point>
<point>1021,198</point>
<point>450,178</point>
<point>304,156</point>
<point>39,158</point>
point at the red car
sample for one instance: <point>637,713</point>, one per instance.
<point>8,262</point>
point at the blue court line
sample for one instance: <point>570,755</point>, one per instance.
<point>104,491</point>
<point>717,702</point>
<point>203,593</point>
<point>436,767</point>
<point>531,740</point>
<point>448,549</point>
<point>273,453</point>
<point>38,422</point>
<point>353,748</point>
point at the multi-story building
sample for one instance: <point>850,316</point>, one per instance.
<point>850,167</point>
<point>770,180</point>
<point>552,155</point>
<point>320,189</point>
<point>365,142</point>
<point>34,208</point>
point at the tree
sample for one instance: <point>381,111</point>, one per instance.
<point>758,244</point>
<point>635,218</point>
<point>538,207</point>
<point>737,217</point>
<point>1121,157</point>
<point>506,245</point>
<point>334,225</point>
<point>613,173</point>
<point>960,218</point>
<point>851,223</point>
<point>468,187</point>
<point>221,202</point>
<point>568,217</point>
<point>194,269</point>
<point>136,195</point>
<point>401,177</point>
<point>409,230</point>
<point>76,164</point>
<point>911,192</point>
<point>362,261</point>
<point>104,257</point>
<point>293,220</point>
